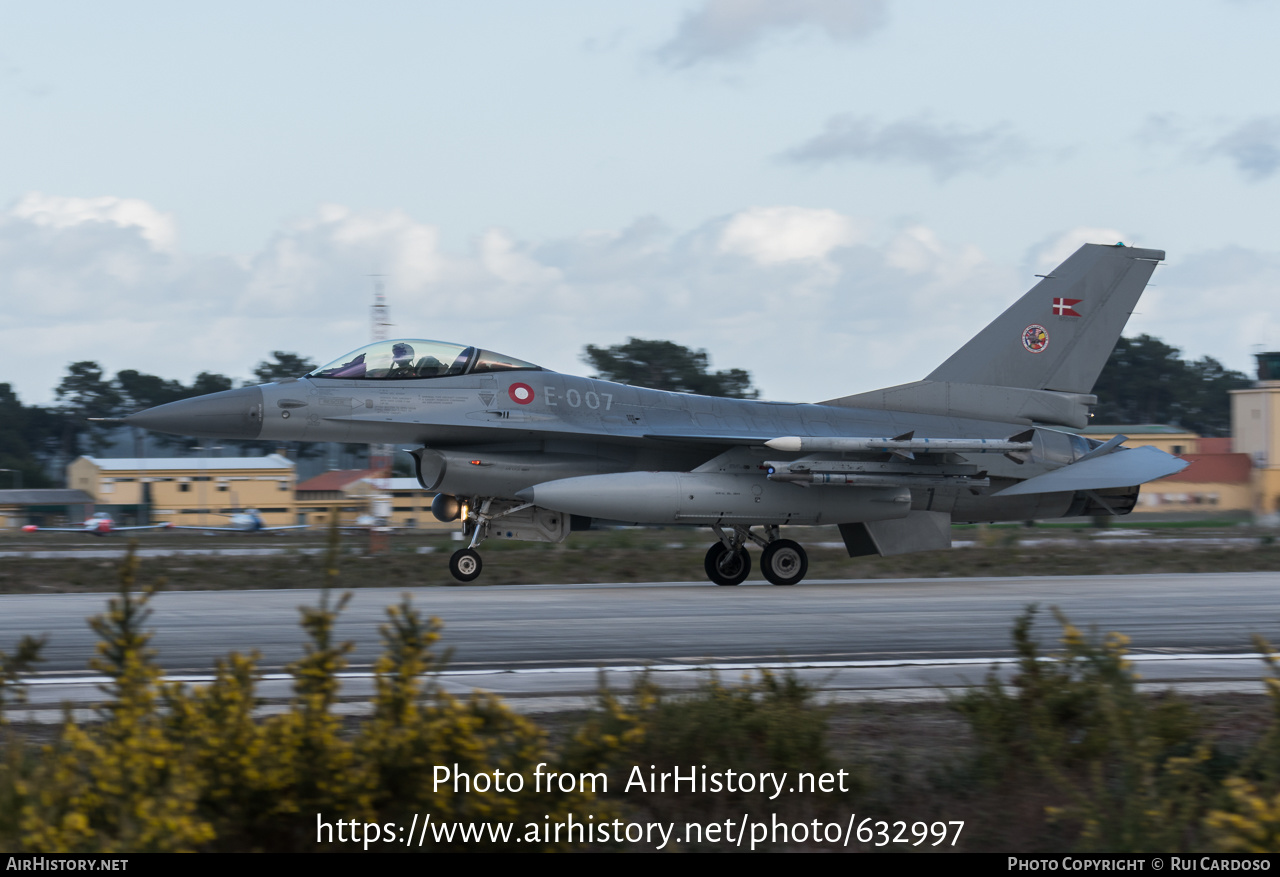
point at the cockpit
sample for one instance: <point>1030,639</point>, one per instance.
<point>414,358</point>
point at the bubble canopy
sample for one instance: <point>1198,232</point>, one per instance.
<point>416,358</point>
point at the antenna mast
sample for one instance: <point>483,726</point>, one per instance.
<point>380,317</point>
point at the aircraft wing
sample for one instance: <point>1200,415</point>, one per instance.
<point>243,529</point>
<point>34,528</point>
<point>1124,467</point>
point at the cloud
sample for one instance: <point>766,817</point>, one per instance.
<point>52,211</point>
<point>316,261</point>
<point>20,81</point>
<point>62,258</point>
<point>1051,252</point>
<point>721,30</point>
<point>1215,303</point>
<point>785,291</point>
<point>771,235</point>
<point>1162,129</point>
<point>1252,146</point>
<point>946,149</point>
<point>813,302</point>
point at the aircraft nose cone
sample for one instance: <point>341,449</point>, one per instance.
<point>231,414</point>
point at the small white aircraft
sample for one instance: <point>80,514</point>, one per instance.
<point>97,524</point>
<point>247,521</point>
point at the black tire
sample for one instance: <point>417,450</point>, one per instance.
<point>465,564</point>
<point>724,568</point>
<point>784,562</point>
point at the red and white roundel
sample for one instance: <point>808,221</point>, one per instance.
<point>1035,338</point>
<point>521,394</point>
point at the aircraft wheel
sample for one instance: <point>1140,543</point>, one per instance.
<point>465,564</point>
<point>784,562</point>
<point>725,568</point>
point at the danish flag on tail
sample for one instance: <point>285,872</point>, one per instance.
<point>1065,307</point>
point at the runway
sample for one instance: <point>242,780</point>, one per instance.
<point>546,640</point>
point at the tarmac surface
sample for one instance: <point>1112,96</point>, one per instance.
<point>544,646</point>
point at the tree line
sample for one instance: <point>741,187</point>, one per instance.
<point>33,438</point>
<point>1144,381</point>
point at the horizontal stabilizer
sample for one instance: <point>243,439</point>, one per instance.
<point>1121,468</point>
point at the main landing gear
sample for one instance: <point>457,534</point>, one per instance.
<point>782,561</point>
<point>727,566</point>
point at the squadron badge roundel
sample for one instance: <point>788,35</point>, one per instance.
<point>1035,338</point>
<point>521,394</point>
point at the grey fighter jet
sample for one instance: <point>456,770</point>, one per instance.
<point>520,452</point>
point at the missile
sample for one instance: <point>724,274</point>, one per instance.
<point>1017,447</point>
<point>809,471</point>
<point>862,479</point>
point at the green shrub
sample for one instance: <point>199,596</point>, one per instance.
<point>191,768</point>
<point>1131,768</point>
<point>1248,819</point>
<point>123,784</point>
<point>766,724</point>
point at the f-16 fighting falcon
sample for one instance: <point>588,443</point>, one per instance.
<point>520,452</point>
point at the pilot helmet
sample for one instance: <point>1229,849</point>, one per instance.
<point>401,353</point>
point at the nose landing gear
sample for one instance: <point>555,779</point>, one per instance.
<point>465,564</point>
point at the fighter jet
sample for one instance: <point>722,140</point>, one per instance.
<point>97,524</point>
<point>517,451</point>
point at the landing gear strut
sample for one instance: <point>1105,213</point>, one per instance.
<point>465,564</point>
<point>782,561</point>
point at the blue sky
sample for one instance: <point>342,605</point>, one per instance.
<point>832,194</point>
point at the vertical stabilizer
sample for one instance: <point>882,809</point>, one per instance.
<point>1059,335</point>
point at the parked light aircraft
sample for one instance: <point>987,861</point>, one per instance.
<point>520,452</point>
<point>98,524</point>
<point>248,521</point>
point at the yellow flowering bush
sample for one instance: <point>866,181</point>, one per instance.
<point>172,767</point>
